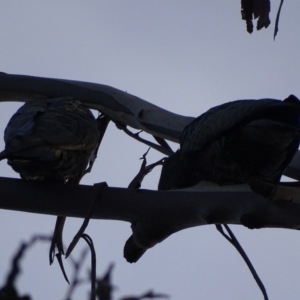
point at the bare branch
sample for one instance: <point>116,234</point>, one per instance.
<point>171,210</point>
<point>119,106</point>
<point>76,281</point>
<point>8,291</point>
<point>147,295</point>
<point>161,148</point>
<point>164,144</point>
<point>104,285</point>
<point>90,243</point>
<point>276,28</point>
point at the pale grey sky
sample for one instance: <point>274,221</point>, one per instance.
<point>185,56</point>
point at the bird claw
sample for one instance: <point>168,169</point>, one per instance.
<point>52,252</point>
<point>60,262</point>
<point>76,239</point>
<point>57,239</point>
<point>58,255</point>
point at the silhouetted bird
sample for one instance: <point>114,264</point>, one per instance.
<point>52,140</point>
<point>233,143</point>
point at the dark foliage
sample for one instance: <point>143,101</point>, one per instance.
<point>260,10</point>
<point>104,287</point>
<point>256,9</point>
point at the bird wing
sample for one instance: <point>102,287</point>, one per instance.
<point>223,118</point>
<point>68,125</point>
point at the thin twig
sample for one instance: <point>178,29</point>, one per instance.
<point>15,268</point>
<point>233,240</point>
<point>104,285</point>
<point>77,266</point>
<point>89,241</point>
<point>8,291</point>
<point>147,295</point>
<point>277,19</point>
<point>163,143</point>
<point>165,150</point>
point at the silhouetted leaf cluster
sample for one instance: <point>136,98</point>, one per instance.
<point>103,285</point>
<point>259,9</point>
<point>253,9</point>
<point>9,291</point>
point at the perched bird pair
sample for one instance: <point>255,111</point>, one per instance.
<point>238,142</point>
<point>52,140</point>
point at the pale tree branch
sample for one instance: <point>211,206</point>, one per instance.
<point>119,106</point>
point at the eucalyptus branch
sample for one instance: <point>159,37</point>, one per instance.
<point>119,106</point>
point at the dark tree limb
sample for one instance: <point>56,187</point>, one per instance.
<point>172,210</point>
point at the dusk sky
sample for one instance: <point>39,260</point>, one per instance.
<point>184,56</point>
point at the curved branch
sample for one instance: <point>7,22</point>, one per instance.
<point>119,106</point>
